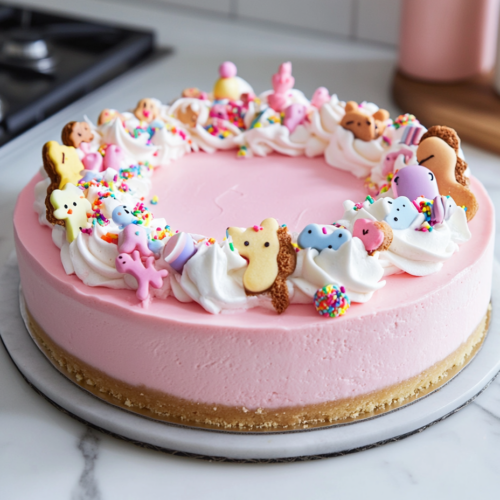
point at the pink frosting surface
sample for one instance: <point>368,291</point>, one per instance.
<point>257,359</point>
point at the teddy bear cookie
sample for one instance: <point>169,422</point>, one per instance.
<point>438,151</point>
<point>71,208</point>
<point>271,258</point>
<point>74,133</point>
<point>363,125</point>
<point>188,115</point>
<point>63,166</point>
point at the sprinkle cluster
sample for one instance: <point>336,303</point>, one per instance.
<point>403,120</point>
<point>331,301</point>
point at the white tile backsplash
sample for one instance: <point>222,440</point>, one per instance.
<point>332,16</point>
<point>221,6</point>
<point>378,20</point>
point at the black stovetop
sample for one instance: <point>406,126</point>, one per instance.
<point>48,61</point>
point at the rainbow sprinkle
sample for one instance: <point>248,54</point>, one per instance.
<point>403,120</point>
<point>331,301</point>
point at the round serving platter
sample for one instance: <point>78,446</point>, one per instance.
<point>459,388</point>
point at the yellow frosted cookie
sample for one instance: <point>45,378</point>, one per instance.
<point>63,166</point>
<point>271,258</point>
<point>71,207</point>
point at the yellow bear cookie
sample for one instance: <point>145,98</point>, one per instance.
<point>71,207</point>
<point>63,166</point>
<point>271,258</point>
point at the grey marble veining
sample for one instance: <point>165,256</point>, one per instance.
<point>87,488</point>
<point>46,454</point>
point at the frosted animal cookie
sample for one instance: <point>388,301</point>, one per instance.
<point>318,237</point>
<point>438,151</point>
<point>63,166</point>
<point>76,133</point>
<point>376,236</point>
<point>146,110</point>
<point>145,273</point>
<point>415,181</point>
<point>403,213</point>
<point>295,115</point>
<point>123,216</point>
<point>132,238</point>
<point>282,82</point>
<point>188,115</point>
<point>271,258</point>
<point>71,209</point>
<point>363,125</point>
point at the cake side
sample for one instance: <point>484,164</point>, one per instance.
<point>260,360</point>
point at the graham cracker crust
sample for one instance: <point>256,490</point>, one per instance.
<point>160,406</point>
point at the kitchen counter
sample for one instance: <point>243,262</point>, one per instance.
<point>46,454</point>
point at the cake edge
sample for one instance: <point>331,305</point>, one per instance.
<point>160,406</point>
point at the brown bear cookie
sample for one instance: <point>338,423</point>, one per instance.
<point>363,125</point>
<point>271,258</point>
<point>438,151</point>
<point>74,133</point>
<point>63,166</point>
<point>191,92</point>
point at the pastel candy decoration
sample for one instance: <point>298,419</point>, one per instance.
<point>134,238</point>
<point>113,157</point>
<point>390,159</point>
<point>145,273</point>
<point>92,162</point>
<point>71,206</point>
<point>402,214</point>
<point>331,301</point>
<point>282,82</point>
<point>123,216</point>
<point>376,236</point>
<point>321,96</point>
<point>227,86</point>
<point>295,114</point>
<point>411,135</point>
<point>442,209</point>
<point>178,250</point>
<point>316,236</point>
<point>415,181</point>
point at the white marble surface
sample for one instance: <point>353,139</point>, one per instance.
<point>45,454</point>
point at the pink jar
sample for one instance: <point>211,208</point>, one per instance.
<point>448,40</point>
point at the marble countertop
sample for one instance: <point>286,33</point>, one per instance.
<point>46,454</point>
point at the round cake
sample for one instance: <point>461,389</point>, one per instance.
<point>297,269</point>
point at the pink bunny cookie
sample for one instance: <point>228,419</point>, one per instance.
<point>134,238</point>
<point>145,274</point>
<point>282,82</point>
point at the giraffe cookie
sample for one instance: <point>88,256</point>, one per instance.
<point>63,166</point>
<point>71,208</point>
<point>271,258</point>
<point>438,151</point>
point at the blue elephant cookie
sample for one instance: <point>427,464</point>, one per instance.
<point>316,236</point>
<point>403,213</point>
